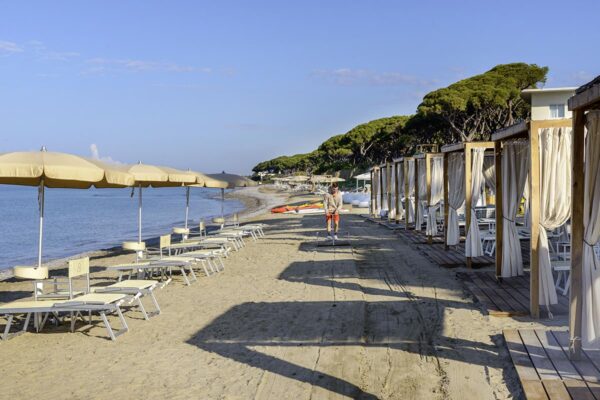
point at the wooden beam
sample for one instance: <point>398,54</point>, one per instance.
<point>577,196</point>
<point>446,206</point>
<point>534,214</point>
<point>468,180</point>
<point>585,99</point>
<point>516,130</point>
<point>428,160</point>
<point>499,209</point>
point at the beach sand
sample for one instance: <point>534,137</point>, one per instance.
<point>287,319</point>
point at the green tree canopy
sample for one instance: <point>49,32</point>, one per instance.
<point>475,107</point>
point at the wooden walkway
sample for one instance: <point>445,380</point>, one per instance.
<point>506,298</point>
<point>436,252</point>
<point>545,371</point>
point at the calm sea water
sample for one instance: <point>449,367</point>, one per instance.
<point>83,220</point>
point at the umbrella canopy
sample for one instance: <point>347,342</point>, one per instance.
<point>49,169</point>
<point>233,180</point>
<point>207,181</point>
<point>58,170</point>
<point>115,175</point>
<point>152,175</point>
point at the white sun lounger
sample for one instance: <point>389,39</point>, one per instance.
<point>80,269</point>
<point>102,303</point>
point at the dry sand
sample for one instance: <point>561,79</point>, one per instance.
<point>287,319</point>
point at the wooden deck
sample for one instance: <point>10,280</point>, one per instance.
<point>436,252</point>
<point>508,297</point>
<point>545,371</point>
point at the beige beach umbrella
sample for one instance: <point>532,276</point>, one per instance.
<point>203,181</point>
<point>57,170</point>
<point>233,181</point>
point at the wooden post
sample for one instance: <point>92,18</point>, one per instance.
<point>577,234</point>
<point>396,191</point>
<point>446,195</point>
<point>405,164</point>
<point>499,209</point>
<point>468,183</point>
<point>428,160</point>
<point>534,213</point>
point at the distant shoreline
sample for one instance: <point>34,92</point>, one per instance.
<point>255,201</point>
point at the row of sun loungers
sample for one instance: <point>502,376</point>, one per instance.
<point>64,301</point>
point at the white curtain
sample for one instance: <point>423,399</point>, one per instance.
<point>489,173</point>
<point>555,199</point>
<point>515,160</point>
<point>411,191</point>
<point>456,195</point>
<point>422,186</point>
<point>375,189</point>
<point>591,225</point>
<point>400,174</point>
<point>392,196</point>
<point>473,246</point>
<point>384,189</point>
<point>437,194</point>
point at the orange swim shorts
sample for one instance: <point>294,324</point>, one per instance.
<point>334,217</point>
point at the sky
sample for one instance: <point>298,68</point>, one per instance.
<point>222,85</point>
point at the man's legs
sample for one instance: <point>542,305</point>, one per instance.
<point>336,224</point>
<point>328,218</point>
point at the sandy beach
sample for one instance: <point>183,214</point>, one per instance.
<point>287,319</point>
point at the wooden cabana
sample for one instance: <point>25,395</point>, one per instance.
<point>522,131</point>
<point>424,184</point>
<point>403,190</point>
<point>466,150</point>
<point>585,105</point>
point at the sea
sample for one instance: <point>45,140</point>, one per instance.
<point>78,221</point>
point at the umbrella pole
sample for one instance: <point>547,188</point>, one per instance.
<point>187,205</point>
<point>140,214</point>
<point>41,208</point>
<point>222,203</point>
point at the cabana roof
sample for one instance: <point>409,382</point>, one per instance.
<point>454,147</point>
<point>520,129</point>
<point>401,159</point>
<point>587,96</point>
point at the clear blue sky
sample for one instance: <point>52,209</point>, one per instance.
<point>222,85</point>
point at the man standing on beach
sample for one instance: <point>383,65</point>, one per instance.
<point>333,204</point>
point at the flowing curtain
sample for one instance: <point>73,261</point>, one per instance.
<point>400,174</point>
<point>384,189</point>
<point>456,195</point>
<point>411,191</point>
<point>515,159</point>
<point>591,225</point>
<point>473,246</point>
<point>375,190</point>
<point>392,197</point>
<point>555,199</point>
<point>422,185</point>
<point>489,173</point>
<point>437,194</point>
